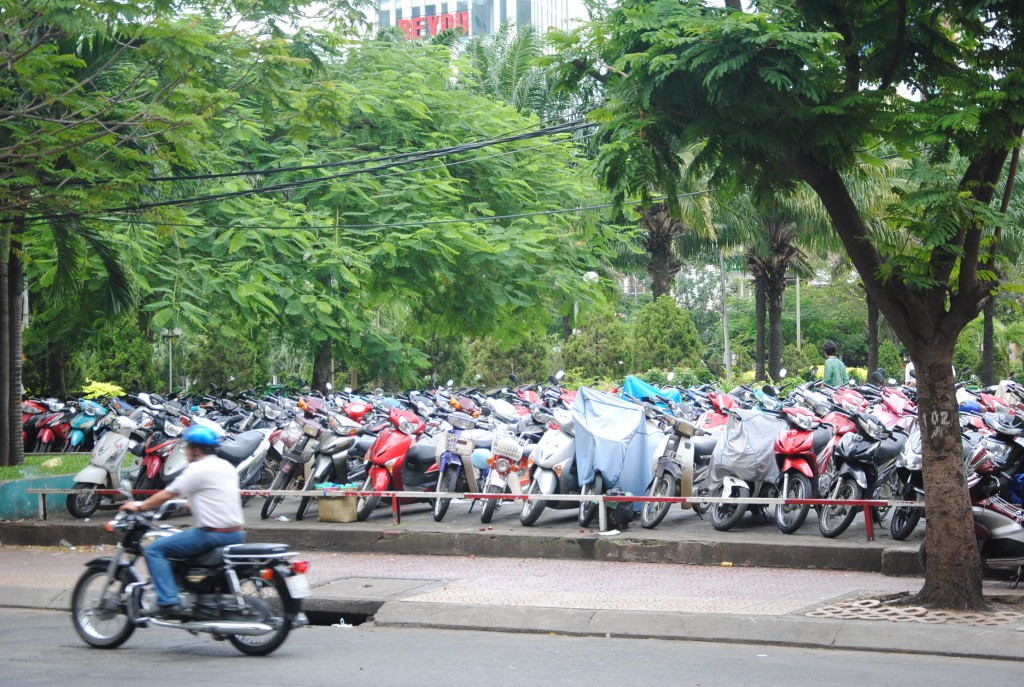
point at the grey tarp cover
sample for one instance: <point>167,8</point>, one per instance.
<point>614,437</point>
<point>746,449</point>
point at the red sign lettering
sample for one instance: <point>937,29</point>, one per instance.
<point>419,27</point>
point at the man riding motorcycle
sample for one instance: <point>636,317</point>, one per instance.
<point>210,484</point>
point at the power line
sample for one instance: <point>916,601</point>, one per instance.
<point>412,158</point>
<point>379,225</point>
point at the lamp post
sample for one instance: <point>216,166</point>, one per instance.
<point>170,335</point>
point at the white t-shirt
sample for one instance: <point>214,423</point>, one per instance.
<point>908,375</point>
<point>211,486</point>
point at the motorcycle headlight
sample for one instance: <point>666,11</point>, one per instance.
<point>172,430</point>
<point>310,429</point>
<point>803,421</point>
<point>997,450</point>
<point>406,427</point>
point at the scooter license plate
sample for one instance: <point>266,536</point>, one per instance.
<point>298,586</point>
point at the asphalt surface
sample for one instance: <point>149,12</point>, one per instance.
<point>681,581</point>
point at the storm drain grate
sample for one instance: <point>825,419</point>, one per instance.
<point>878,609</point>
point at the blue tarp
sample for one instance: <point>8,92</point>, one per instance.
<point>613,436</point>
<point>638,388</point>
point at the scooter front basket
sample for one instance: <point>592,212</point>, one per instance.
<point>458,444</point>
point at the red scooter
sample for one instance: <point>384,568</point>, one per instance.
<point>803,451</point>
<point>398,461</point>
<point>715,418</point>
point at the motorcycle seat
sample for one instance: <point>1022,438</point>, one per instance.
<point>362,445</point>
<point>705,445</point>
<point>422,453</point>
<point>254,550</point>
<point>822,435</point>
<point>238,448</point>
<point>209,559</point>
<point>889,448</point>
<point>483,439</point>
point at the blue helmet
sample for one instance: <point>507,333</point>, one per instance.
<point>197,435</point>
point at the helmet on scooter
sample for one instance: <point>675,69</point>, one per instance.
<point>197,435</point>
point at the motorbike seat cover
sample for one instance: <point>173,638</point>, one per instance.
<point>254,550</point>
<point>238,448</point>
<point>208,559</point>
<point>422,453</point>
<point>890,447</point>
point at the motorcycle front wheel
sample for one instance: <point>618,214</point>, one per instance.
<point>790,518</point>
<point>267,599</point>
<point>532,509</point>
<point>446,483</point>
<point>835,519</point>
<point>490,505</point>
<point>84,504</point>
<point>98,612</point>
<point>305,501</point>
<point>904,520</point>
<point>653,512</point>
<point>366,504</point>
<point>725,516</point>
<point>281,481</point>
<point>588,509</point>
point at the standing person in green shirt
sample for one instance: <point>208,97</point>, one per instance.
<point>835,370</point>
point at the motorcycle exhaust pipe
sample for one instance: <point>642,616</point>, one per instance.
<point>220,627</point>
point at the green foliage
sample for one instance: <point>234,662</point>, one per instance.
<point>600,348</point>
<point>220,354</point>
<point>101,390</point>
<point>123,353</point>
<point>889,360</point>
<point>494,360</point>
<point>664,336</point>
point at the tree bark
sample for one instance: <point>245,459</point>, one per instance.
<point>776,288</point>
<point>662,265</point>
<point>988,351</point>
<point>873,336</point>
<point>56,379</point>
<point>566,327</point>
<point>7,439</point>
<point>760,313</point>
<point>323,366</point>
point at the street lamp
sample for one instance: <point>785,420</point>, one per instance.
<point>170,335</point>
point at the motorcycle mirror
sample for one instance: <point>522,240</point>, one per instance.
<point>514,378</point>
<point>782,373</point>
<point>671,376</point>
<point>559,375</point>
<point>348,389</point>
<point>231,378</point>
<point>770,390</point>
<point>329,386</point>
<point>449,383</point>
<point>814,372</point>
<point>891,381</point>
<point>478,377</point>
<point>877,378</point>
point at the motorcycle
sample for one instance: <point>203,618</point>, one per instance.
<point>249,594</point>
<point>681,462</point>
<point>866,462</point>
<point>333,463</point>
<point>743,465</point>
<point>83,425</point>
<point>398,460</point>
<point>802,451</point>
<point>105,463</point>
<point>454,456</point>
<point>297,443</point>
<point>554,465</point>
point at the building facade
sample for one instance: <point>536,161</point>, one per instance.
<point>425,18</point>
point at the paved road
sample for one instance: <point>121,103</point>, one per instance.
<point>41,648</point>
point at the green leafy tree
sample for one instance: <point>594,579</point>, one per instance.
<point>528,357</point>
<point>599,347</point>
<point>664,337</point>
<point>890,361</point>
<point>796,93</point>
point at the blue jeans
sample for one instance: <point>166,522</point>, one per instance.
<point>190,542</point>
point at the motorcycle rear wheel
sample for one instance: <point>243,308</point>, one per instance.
<point>97,610</point>
<point>904,520</point>
<point>588,509</point>
<point>281,481</point>
<point>791,518</point>
<point>834,520</point>
<point>447,482</point>
<point>266,595</point>
<point>366,504</point>
<point>85,504</point>
<point>725,516</point>
<point>490,505</point>
<point>532,509</point>
<point>653,512</point>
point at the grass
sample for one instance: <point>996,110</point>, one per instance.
<point>69,464</point>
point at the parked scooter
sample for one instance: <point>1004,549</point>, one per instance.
<point>398,460</point>
<point>680,464</point>
<point>105,464</point>
<point>333,463</point>
<point>554,463</point>
<point>802,450</point>
<point>454,456</point>
<point>744,465</point>
<point>249,594</point>
<point>866,462</point>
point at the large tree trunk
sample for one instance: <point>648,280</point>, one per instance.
<point>988,352</point>
<point>15,300</point>
<point>323,367</point>
<point>953,575</point>
<point>662,266</point>
<point>873,336</point>
<point>55,377</point>
<point>761,315</point>
<point>7,437</point>
<point>776,288</point>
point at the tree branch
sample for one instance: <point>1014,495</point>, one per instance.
<point>901,41</point>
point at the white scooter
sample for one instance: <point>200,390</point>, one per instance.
<point>554,466</point>
<point>105,461</point>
